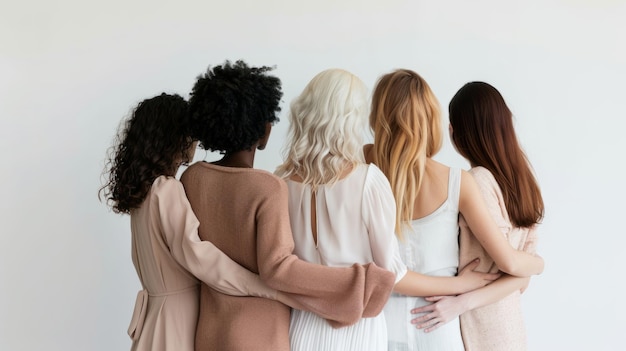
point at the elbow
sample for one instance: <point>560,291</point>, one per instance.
<point>274,275</point>
<point>519,269</point>
<point>269,278</point>
<point>511,267</point>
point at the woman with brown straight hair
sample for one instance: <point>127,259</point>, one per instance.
<point>481,127</point>
<point>429,197</point>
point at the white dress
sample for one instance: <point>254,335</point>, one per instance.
<point>430,247</point>
<point>355,224</point>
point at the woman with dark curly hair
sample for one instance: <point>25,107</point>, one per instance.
<point>166,250</point>
<point>243,211</point>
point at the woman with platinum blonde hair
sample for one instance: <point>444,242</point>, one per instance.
<point>342,210</point>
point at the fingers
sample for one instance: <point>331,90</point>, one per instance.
<point>428,325</point>
<point>435,326</point>
<point>423,309</point>
<point>424,321</point>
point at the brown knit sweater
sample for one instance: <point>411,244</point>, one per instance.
<point>244,213</point>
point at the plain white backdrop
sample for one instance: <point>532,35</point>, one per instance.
<point>70,70</point>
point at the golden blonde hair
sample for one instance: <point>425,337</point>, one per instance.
<point>405,118</point>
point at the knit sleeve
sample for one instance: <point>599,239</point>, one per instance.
<point>379,215</point>
<point>204,260</point>
<point>341,295</point>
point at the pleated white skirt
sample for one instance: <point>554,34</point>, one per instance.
<point>309,332</point>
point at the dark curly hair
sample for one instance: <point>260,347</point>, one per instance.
<point>152,142</point>
<point>231,104</point>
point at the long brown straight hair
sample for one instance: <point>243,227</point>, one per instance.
<point>406,121</point>
<point>483,133</point>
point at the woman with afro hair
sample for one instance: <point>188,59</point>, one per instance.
<point>166,250</point>
<point>243,211</point>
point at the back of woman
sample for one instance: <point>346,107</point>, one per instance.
<point>152,143</point>
<point>483,133</point>
<point>344,215</point>
<point>429,245</point>
<point>341,210</point>
<point>500,325</point>
<point>228,201</point>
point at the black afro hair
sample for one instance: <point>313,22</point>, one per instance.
<point>231,104</point>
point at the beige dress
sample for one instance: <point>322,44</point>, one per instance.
<point>499,326</point>
<point>167,253</point>
<point>244,212</point>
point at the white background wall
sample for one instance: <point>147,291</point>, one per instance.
<point>70,70</point>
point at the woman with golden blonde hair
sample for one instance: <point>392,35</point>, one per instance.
<point>429,196</point>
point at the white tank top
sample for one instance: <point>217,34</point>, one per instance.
<point>431,245</point>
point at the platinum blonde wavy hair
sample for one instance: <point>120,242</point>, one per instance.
<point>327,124</point>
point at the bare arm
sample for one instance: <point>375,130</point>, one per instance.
<point>446,308</point>
<point>491,293</point>
<point>416,284</point>
<point>479,220</point>
<point>379,214</point>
